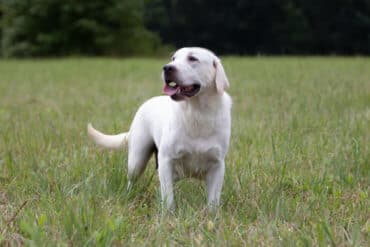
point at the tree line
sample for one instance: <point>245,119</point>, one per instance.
<point>142,27</point>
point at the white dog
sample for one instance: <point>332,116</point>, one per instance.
<point>188,130</point>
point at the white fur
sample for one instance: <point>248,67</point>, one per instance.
<point>191,136</point>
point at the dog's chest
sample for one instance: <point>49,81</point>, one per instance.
<point>195,160</point>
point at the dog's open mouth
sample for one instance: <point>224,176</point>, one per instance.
<point>178,92</point>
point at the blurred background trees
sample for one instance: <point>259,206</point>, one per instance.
<point>141,27</point>
<point>64,27</point>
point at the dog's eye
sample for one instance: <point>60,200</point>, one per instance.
<point>172,58</point>
<point>192,59</point>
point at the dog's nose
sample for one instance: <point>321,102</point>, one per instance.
<point>169,68</point>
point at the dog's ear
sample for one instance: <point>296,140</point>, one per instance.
<point>222,83</point>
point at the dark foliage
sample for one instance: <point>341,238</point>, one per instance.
<point>264,26</point>
<point>121,27</point>
<point>63,27</point>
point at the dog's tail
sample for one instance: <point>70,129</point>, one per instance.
<point>107,141</point>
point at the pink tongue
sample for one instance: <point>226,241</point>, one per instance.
<point>170,90</point>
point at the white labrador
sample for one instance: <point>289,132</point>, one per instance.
<point>188,130</point>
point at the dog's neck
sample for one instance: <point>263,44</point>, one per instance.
<point>204,114</point>
<point>206,104</point>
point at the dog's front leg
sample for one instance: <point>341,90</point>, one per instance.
<point>166,180</point>
<point>214,181</point>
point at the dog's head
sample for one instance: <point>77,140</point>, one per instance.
<point>193,71</point>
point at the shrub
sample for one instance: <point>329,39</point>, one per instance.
<point>65,27</point>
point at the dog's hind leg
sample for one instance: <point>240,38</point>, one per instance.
<point>141,147</point>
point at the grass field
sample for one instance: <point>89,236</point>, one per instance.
<point>298,169</point>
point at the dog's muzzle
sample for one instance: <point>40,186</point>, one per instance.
<point>176,90</point>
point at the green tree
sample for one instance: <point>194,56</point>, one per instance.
<point>64,27</point>
<point>264,26</point>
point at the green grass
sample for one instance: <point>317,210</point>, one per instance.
<point>297,170</point>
